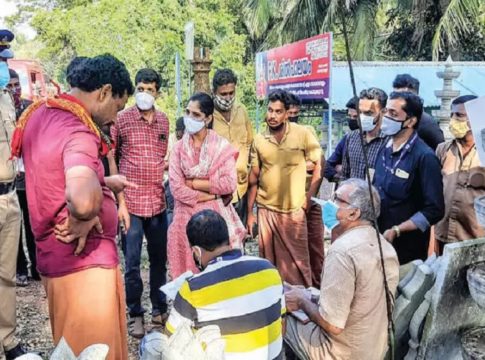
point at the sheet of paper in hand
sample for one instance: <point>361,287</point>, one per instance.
<point>475,110</point>
<point>172,288</point>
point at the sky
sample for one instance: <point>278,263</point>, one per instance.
<point>9,7</point>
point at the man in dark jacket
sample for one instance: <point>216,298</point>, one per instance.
<point>428,129</point>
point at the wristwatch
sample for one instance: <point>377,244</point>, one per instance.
<point>397,230</point>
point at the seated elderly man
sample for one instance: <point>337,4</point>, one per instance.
<point>349,317</point>
<point>243,295</point>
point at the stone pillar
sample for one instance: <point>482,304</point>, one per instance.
<point>201,66</point>
<point>442,115</point>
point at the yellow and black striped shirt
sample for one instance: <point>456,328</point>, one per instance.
<point>243,295</point>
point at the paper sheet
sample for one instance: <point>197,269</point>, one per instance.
<point>172,288</point>
<point>475,110</point>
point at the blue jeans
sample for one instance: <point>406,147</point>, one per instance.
<point>155,230</point>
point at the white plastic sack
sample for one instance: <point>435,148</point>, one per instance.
<point>93,352</point>
<point>184,344</point>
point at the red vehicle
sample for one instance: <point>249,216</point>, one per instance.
<point>35,83</point>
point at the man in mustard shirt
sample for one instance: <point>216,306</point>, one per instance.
<point>277,184</point>
<point>232,122</point>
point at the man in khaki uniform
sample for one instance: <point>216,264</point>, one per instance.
<point>348,318</point>
<point>232,122</point>
<point>277,184</point>
<point>10,348</point>
<point>463,179</point>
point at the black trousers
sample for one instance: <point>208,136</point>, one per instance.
<point>241,208</point>
<point>29,236</point>
<point>155,230</point>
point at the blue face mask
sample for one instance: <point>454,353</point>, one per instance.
<point>4,74</point>
<point>329,214</point>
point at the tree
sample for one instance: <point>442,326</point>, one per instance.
<point>272,23</point>
<point>143,33</point>
<point>415,30</point>
<point>430,29</point>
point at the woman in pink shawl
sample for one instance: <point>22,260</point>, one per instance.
<point>202,175</point>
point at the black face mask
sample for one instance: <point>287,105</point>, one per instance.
<point>293,119</point>
<point>197,262</point>
<point>353,124</point>
<point>277,128</point>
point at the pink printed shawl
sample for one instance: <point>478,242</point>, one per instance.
<point>214,153</point>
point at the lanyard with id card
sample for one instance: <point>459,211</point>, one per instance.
<point>393,169</point>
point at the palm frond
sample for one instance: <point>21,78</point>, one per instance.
<point>457,20</point>
<point>332,16</point>
<point>257,15</point>
<point>302,20</point>
<point>365,30</point>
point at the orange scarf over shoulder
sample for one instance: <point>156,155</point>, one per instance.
<point>63,102</point>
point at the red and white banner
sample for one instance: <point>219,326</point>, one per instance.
<point>302,68</point>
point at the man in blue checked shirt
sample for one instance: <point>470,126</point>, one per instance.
<point>408,178</point>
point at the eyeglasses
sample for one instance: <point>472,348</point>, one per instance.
<point>336,198</point>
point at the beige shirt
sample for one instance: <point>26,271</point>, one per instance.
<point>239,132</point>
<point>463,181</point>
<point>7,126</point>
<point>282,177</point>
<point>352,294</point>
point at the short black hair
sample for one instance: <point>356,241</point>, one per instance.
<point>77,61</point>
<point>13,74</point>
<point>148,76</point>
<point>352,103</point>
<point>208,230</point>
<point>374,93</point>
<point>223,77</point>
<point>413,104</point>
<point>90,74</point>
<point>280,95</point>
<point>179,124</point>
<point>205,101</point>
<point>463,99</point>
<point>294,100</point>
<point>406,81</point>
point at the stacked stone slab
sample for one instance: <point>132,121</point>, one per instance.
<point>409,305</point>
<point>452,311</point>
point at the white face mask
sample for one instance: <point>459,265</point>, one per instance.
<point>144,100</point>
<point>390,126</point>
<point>367,122</point>
<point>193,126</point>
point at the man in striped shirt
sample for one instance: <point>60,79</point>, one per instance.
<point>243,295</point>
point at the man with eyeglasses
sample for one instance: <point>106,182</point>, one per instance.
<point>348,318</point>
<point>408,178</point>
<point>141,134</point>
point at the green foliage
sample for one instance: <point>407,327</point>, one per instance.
<point>432,30</point>
<point>144,33</point>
